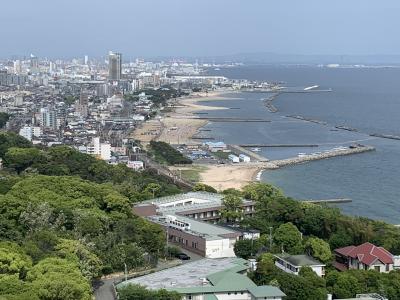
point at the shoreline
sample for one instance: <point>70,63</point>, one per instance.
<point>180,125</point>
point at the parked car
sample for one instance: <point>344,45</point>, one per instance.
<point>183,256</point>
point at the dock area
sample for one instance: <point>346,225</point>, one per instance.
<point>251,154</point>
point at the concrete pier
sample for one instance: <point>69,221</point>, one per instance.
<point>229,119</point>
<point>279,145</point>
<point>275,164</point>
<point>329,201</point>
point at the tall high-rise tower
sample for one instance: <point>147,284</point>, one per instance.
<point>114,66</point>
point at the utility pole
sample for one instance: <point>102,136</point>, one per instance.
<point>166,249</point>
<point>126,272</point>
<point>270,239</point>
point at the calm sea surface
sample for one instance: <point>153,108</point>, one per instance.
<point>367,99</point>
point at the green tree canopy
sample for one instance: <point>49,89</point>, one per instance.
<point>318,249</point>
<point>201,187</point>
<point>22,158</point>
<point>11,139</point>
<point>232,210</point>
<point>88,262</point>
<point>288,238</point>
<point>137,292</point>
<point>59,279</point>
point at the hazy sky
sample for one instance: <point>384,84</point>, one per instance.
<point>198,27</point>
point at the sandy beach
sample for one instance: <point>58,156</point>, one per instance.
<point>222,177</point>
<point>179,126</point>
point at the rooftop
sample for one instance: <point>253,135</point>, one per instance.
<point>367,253</point>
<point>188,275</point>
<point>175,205</point>
<point>299,260</point>
<point>207,276</point>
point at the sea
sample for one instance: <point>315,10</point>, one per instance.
<point>366,99</point>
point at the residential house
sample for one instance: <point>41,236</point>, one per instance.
<point>293,263</point>
<point>365,257</point>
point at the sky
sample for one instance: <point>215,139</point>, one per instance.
<point>149,28</point>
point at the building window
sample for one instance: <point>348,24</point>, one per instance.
<point>377,268</point>
<point>387,268</point>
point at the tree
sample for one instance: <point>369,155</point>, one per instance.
<point>21,158</point>
<point>11,139</point>
<point>318,283</point>
<point>153,189</point>
<point>36,216</point>
<point>266,270</point>
<point>13,260</point>
<point>288,238</point>
<point>246,248</point>
<point>4,117</point>
<point>318,249</point>
<point>258,191</point>
<point>137,292</point>
<point>73,250</point>
<point>346,286</point>
<point>297,287</point>
<point>232,209</point>
<point>59,279</point>
<point>201,187</point>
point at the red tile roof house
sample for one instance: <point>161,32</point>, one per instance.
<point>365,257</point>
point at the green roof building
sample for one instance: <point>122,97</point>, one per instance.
<point>210,279</point>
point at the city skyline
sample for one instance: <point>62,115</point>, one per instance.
<point>201,28</point>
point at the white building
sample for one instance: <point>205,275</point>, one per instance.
<point>135,164</point>
<point>29,132</point>
<point>26,132</point>
<point>293,263</point>
<point>244,158</point>
<point>100,150</point>
<point>233,158</point>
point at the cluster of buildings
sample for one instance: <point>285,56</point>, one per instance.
<point>192,222</point>
<point>90,104</point>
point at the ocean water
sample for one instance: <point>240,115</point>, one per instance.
<point>367,99</point>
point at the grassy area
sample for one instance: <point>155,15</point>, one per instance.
<point>191,174</point>
<point>222,155</point>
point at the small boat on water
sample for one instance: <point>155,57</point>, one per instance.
<point>256,149</point>
<point>301,154</point>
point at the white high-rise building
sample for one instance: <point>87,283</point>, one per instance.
<point>101,150</point>
<point>86,60</point>
<point>52,67</point>
<point>17,67</point>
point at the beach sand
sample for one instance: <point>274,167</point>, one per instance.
<point>179,126</point>
<point>222,177</point>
